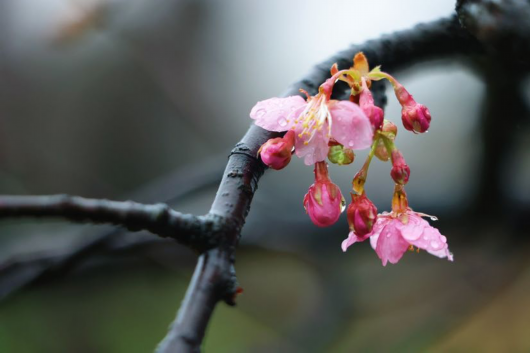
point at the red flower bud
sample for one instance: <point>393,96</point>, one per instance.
<point>276,153</point>
<point>416,117</point>
<point>400,170</point>
<point>373,112</point>
<point>362,215</point>
<point>323,202</point>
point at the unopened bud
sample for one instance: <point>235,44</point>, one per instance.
<point>373,112</point>
<point>389,129</point>
<point>416,117</point>
<point>362,215</point>
<point>323,202</point>
<point>339,155</point>
<point>276,152</point>
<point>400,170</point>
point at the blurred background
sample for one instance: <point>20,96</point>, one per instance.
<point>143,100</point>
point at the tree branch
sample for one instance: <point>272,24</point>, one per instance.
<point>214,277</point>
<point>159,219</point>
<point>18,272</point>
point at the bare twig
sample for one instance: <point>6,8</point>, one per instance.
<point>159,219</point>
<point>19,271</point>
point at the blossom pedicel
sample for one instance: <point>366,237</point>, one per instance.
<point>319,127</point>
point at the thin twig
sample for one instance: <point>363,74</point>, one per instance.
<point>19,271</point>
<point>159,219</point>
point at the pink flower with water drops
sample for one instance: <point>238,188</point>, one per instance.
<point>394,233</point>
<point>315,122</point>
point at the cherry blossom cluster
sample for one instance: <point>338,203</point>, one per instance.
<point>319,128</point>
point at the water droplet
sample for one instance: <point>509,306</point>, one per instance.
<point>388,235</point>
<point>425,238</point>
<point>435,244</point>
<point>293,108</point>
<point>342,205</point>
<point>282,121</point>
<point>260,113</point>
<point>443,239</point>
<point>351,143</point>
<point>433,218</point>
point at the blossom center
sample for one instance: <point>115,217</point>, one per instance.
<point>313,118</point>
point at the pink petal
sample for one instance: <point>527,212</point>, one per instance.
<point>350,126</point>
<point>433,242</point>
<point>378,227</point>
<point>277,114</point>
<point>352,239</point>
<point>316,150</point>
<point>414,227</point>
<point>391,246</point>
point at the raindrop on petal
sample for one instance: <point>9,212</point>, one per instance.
<point>435,244</point>
<point>282,121</point>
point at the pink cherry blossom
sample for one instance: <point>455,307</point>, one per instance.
<point>315,122</point>
<point>394,233</point>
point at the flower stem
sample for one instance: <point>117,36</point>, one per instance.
<point>360,177</point>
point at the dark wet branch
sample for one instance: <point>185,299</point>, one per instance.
<point>19,271</point>
<point>159,219</point>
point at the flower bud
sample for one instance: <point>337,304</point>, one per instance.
<point>416,117</point>
<point>373,112</point>
<point>389,130</point>
<point>323,202</point>
<point>339,155</point>
<point>362,215</point>
<point>400,170</point>
<point>276,152</point>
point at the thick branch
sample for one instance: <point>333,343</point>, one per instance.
<point>211,281</point>
<point>159,219</point>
